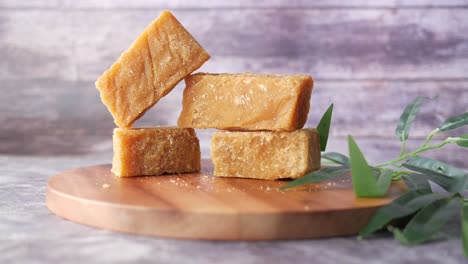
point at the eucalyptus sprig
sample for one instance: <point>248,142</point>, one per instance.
<point>425,211</point>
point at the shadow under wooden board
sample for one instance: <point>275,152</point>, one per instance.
<point>201,206</point>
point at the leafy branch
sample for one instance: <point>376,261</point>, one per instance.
<point>425,210</point>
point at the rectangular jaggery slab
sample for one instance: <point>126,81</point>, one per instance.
<point>267,155</point>
<point>149,69</point>
<point>246,101</point>
<point>155,151</point>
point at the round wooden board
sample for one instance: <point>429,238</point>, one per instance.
<point>201,206</point>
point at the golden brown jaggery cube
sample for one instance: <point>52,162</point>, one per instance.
<point>155,151</point>
<point>149,69</point>
<point>267,155</point>
<point>246,101</point>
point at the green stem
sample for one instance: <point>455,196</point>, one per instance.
<point>397,175</point>
<point>431,135</point>
<point>403,148</point>
<point>423,148</point>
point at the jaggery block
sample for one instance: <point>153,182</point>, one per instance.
<point>149,69</point>
<point>155,151</point>
<point>267,155</point>
<point>246,101</point>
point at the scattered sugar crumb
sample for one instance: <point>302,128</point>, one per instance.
<point>106,186</point>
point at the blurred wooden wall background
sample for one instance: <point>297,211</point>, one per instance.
<point>370,58</point>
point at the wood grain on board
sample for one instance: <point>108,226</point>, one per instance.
<point>370,58</point>
<point>201,206</point>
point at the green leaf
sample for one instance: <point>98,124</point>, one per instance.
<point>407,118</point>
<point>323,127</point>
<point>454,122</point>
<point>336,157</point>
<point>318,176</point>
<point>448,177</point>
<point>405,205</point>
<point>384,179</point>
<point>465,227</point>
<point>464,141</point>
<point>416,181</point>
<point>365,184</point>
<point>433,166</point>
<point>427,222</point>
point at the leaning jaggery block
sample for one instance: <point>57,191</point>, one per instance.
<point>246,101</point>
<point>155,151</point>
<point>265,155</point>
<point>149,69</point>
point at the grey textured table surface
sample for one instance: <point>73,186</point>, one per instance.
<point>31,234</point>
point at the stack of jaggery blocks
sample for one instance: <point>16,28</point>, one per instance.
<point>261,116</point>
